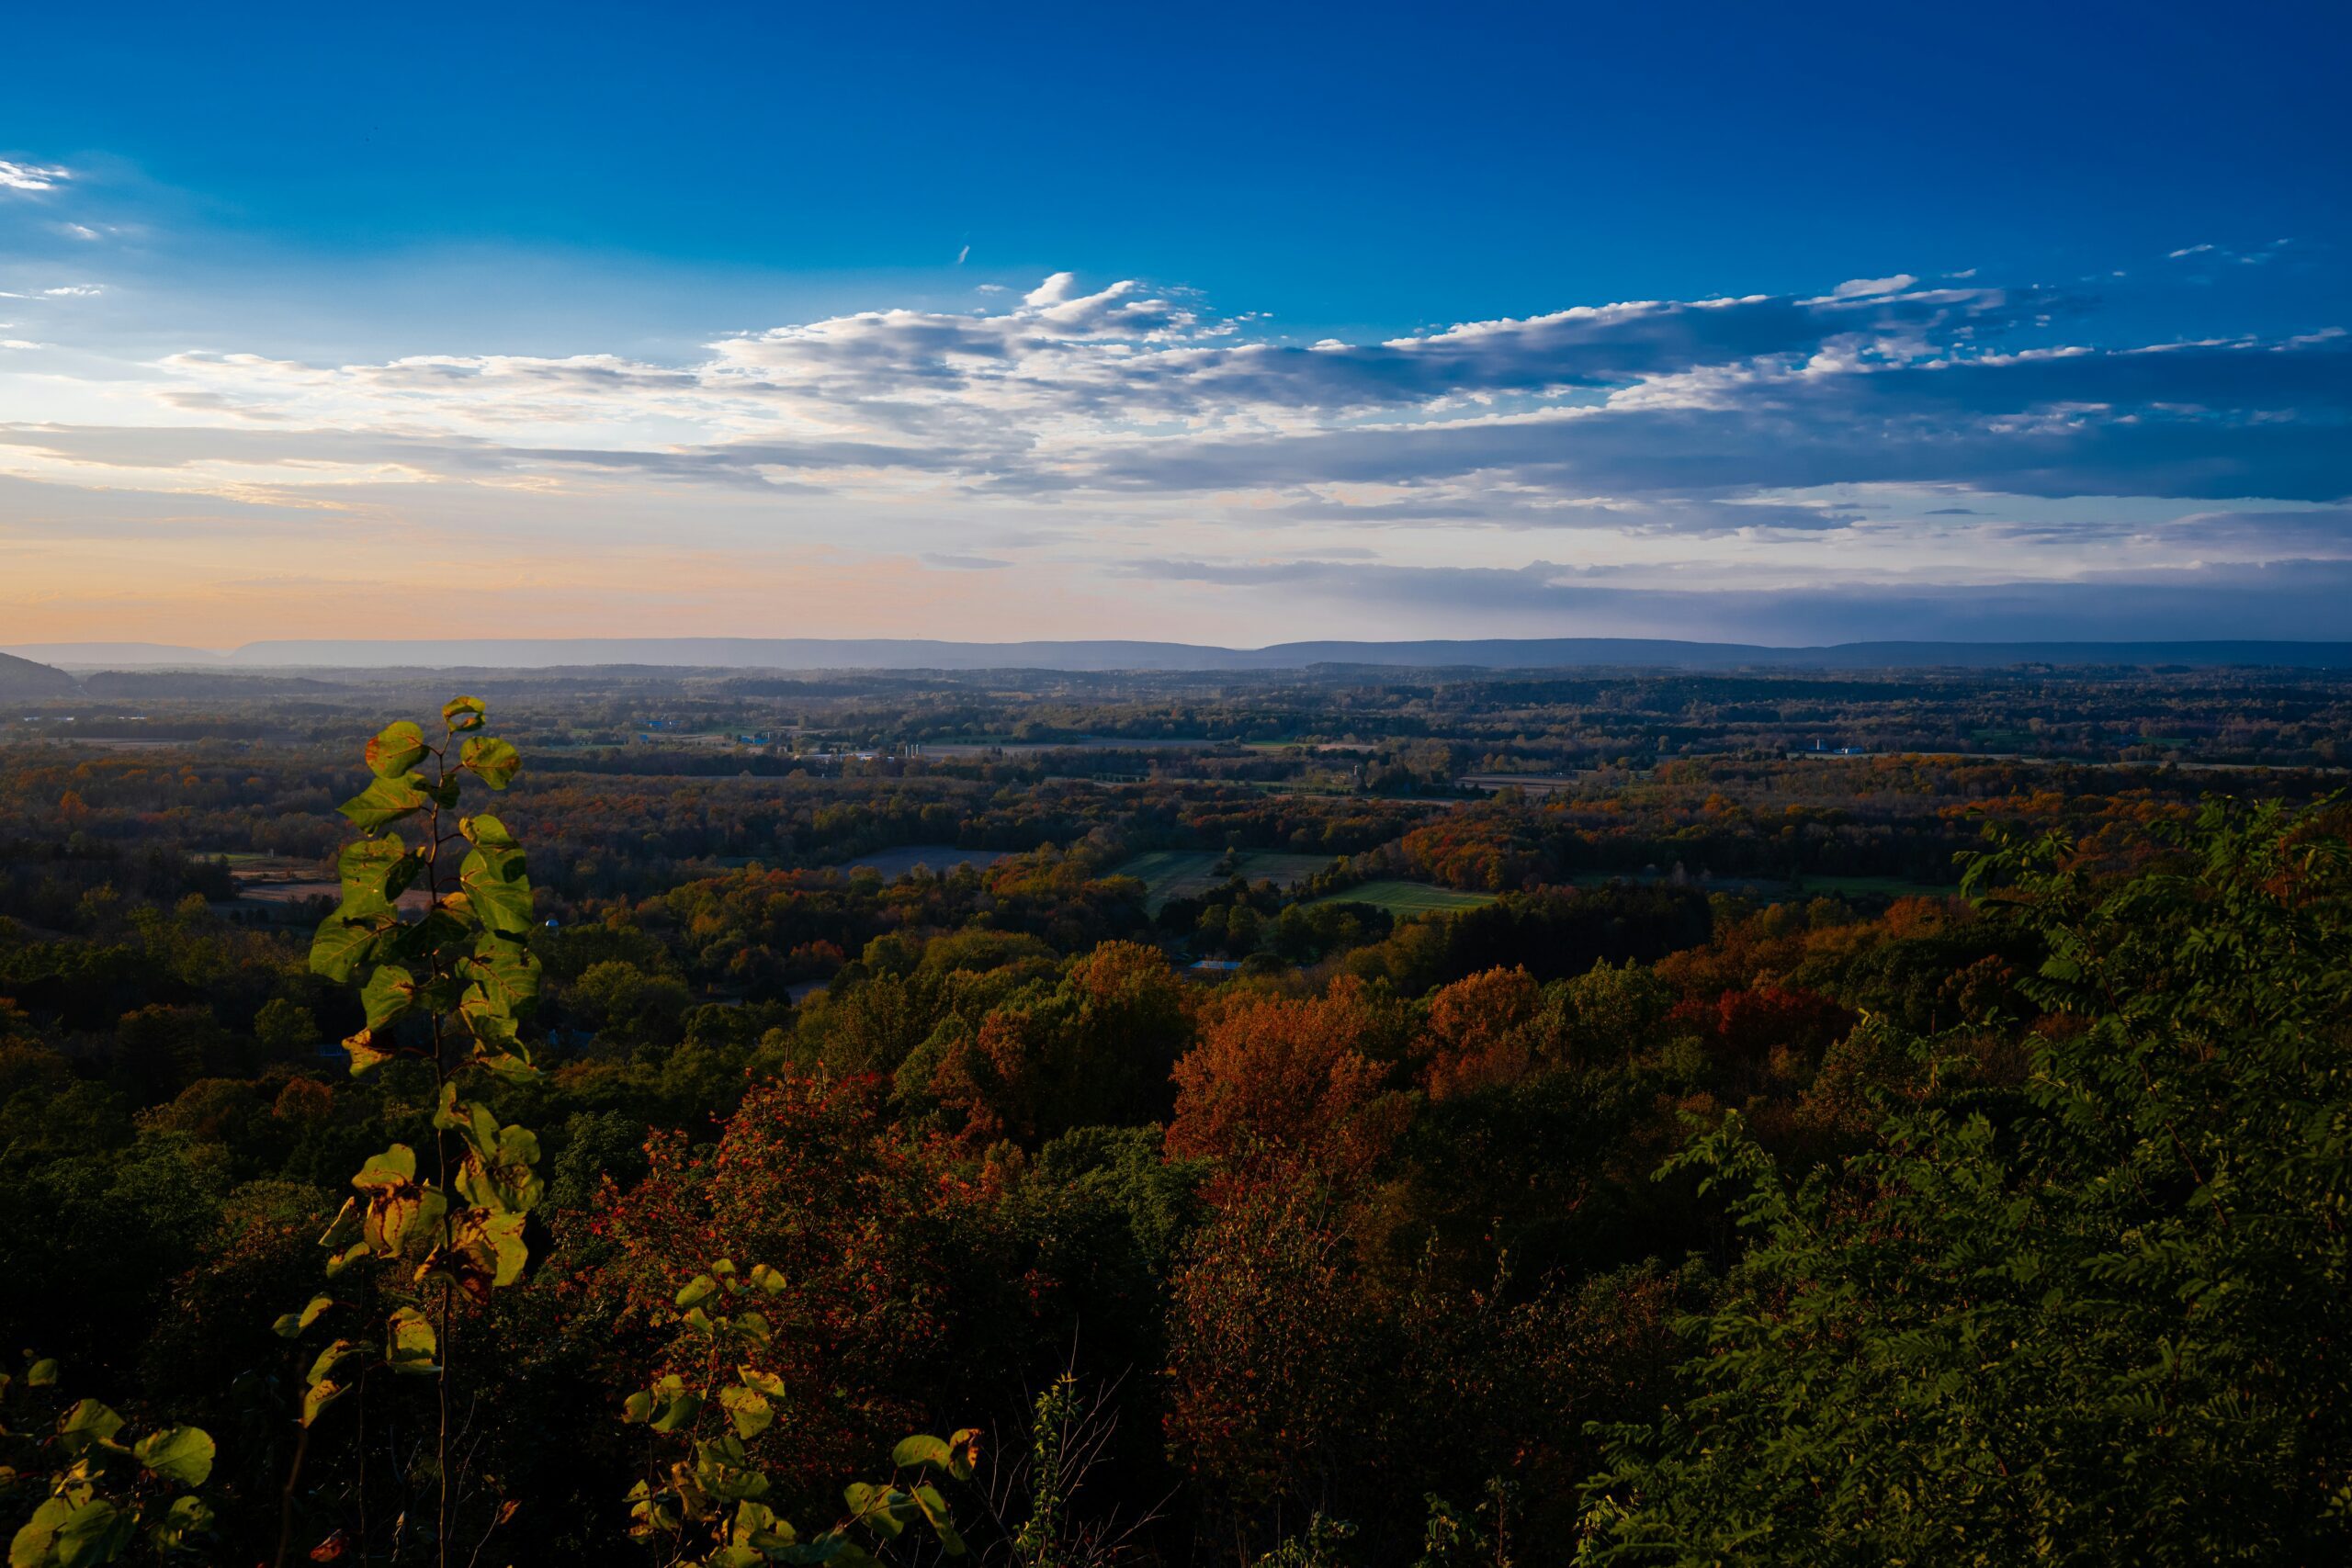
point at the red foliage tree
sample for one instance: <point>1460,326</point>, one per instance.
<point>805,1179</point>
<point>1280,1080</point>
<point>1483,1031</point>
<point>1750,1025</point>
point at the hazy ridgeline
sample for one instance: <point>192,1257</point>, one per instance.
<point>1342,1115</point>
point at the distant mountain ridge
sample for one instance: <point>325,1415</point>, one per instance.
<point>914,653</point>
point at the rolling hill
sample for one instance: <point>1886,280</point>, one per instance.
<point>23,678</point>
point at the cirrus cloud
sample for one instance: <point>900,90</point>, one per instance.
<point>31,177</point>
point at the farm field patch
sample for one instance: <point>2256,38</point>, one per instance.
<point>1407,897</point>
<point>1188,873</point>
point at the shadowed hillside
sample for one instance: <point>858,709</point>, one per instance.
<point>23,678</point>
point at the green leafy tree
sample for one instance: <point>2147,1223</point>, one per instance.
<point>1323,1544</point>
<point>2111,1325</point>
<point>1042,1543</point>
<point>1070,1438</point>
<point>445,987</point>
<point>101,1495</point>
<point>285,1028</point>
<point>1479,1539</point>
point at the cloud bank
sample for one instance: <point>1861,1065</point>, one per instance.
<point>1882,458</point>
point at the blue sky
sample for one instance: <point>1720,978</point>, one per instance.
<point>1231,324</point>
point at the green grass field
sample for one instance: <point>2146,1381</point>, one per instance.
<point>1188,873</point>
<point>1402,899</point>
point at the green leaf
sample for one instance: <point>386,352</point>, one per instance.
<point>345,1227</point>
<point>503,981</point>
<point>95,1532</point>
<point>681,1412</point>
<point>289,1325</point>
<point>477,1120</point>
<point>341,946</point>
<point>372,873</point>
<point>398,749</point>
<point>319,1396</point>
<point>188,1516</point>
<point>85,1425</point>
<point>912,1451</point>
<point>767,1278</point>
<point>41,1373</point>
<point>503,1180</point>
<point>391,992</point>
<point>183,1454</point>
<point>497,1174</point>
<point>494,1242</point>
<point>748,1408</point>
<point>322,1367</point>
<point>464,712</point>
<point>766,1382</point>
<point>392,1168</point>
<point>30,1548</point>
<point>639,1406</point>
<point>365,1055</point>
<point>876,1508</point>
<point>439,941</point>
<point>386,801</point>
<point>413,1215</point>
<point>943,1523</point>
<point>410,1344</point>
<point>696,1291</point>
<point>492,761</point>
<point>497,889</point>
<point>511,1066</point>
<point>487,833</point>
<point>757,1527</point>
<point>397,1207</point>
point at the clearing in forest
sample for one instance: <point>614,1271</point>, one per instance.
<point>1401,898</point>
<point>1188,873</point>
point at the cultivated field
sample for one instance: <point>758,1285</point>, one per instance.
<point>1188,873</point>
<point>1402,899</point>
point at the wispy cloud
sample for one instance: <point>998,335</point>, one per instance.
<point>2259,256</point>
<point>1865,287</point>
<point>31,177</point>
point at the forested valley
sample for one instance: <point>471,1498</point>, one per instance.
<point>1331,1118</point>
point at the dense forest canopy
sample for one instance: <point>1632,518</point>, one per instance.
<point>1320,1118</point>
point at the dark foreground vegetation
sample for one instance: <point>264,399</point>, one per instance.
<point>1934,1153</point>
